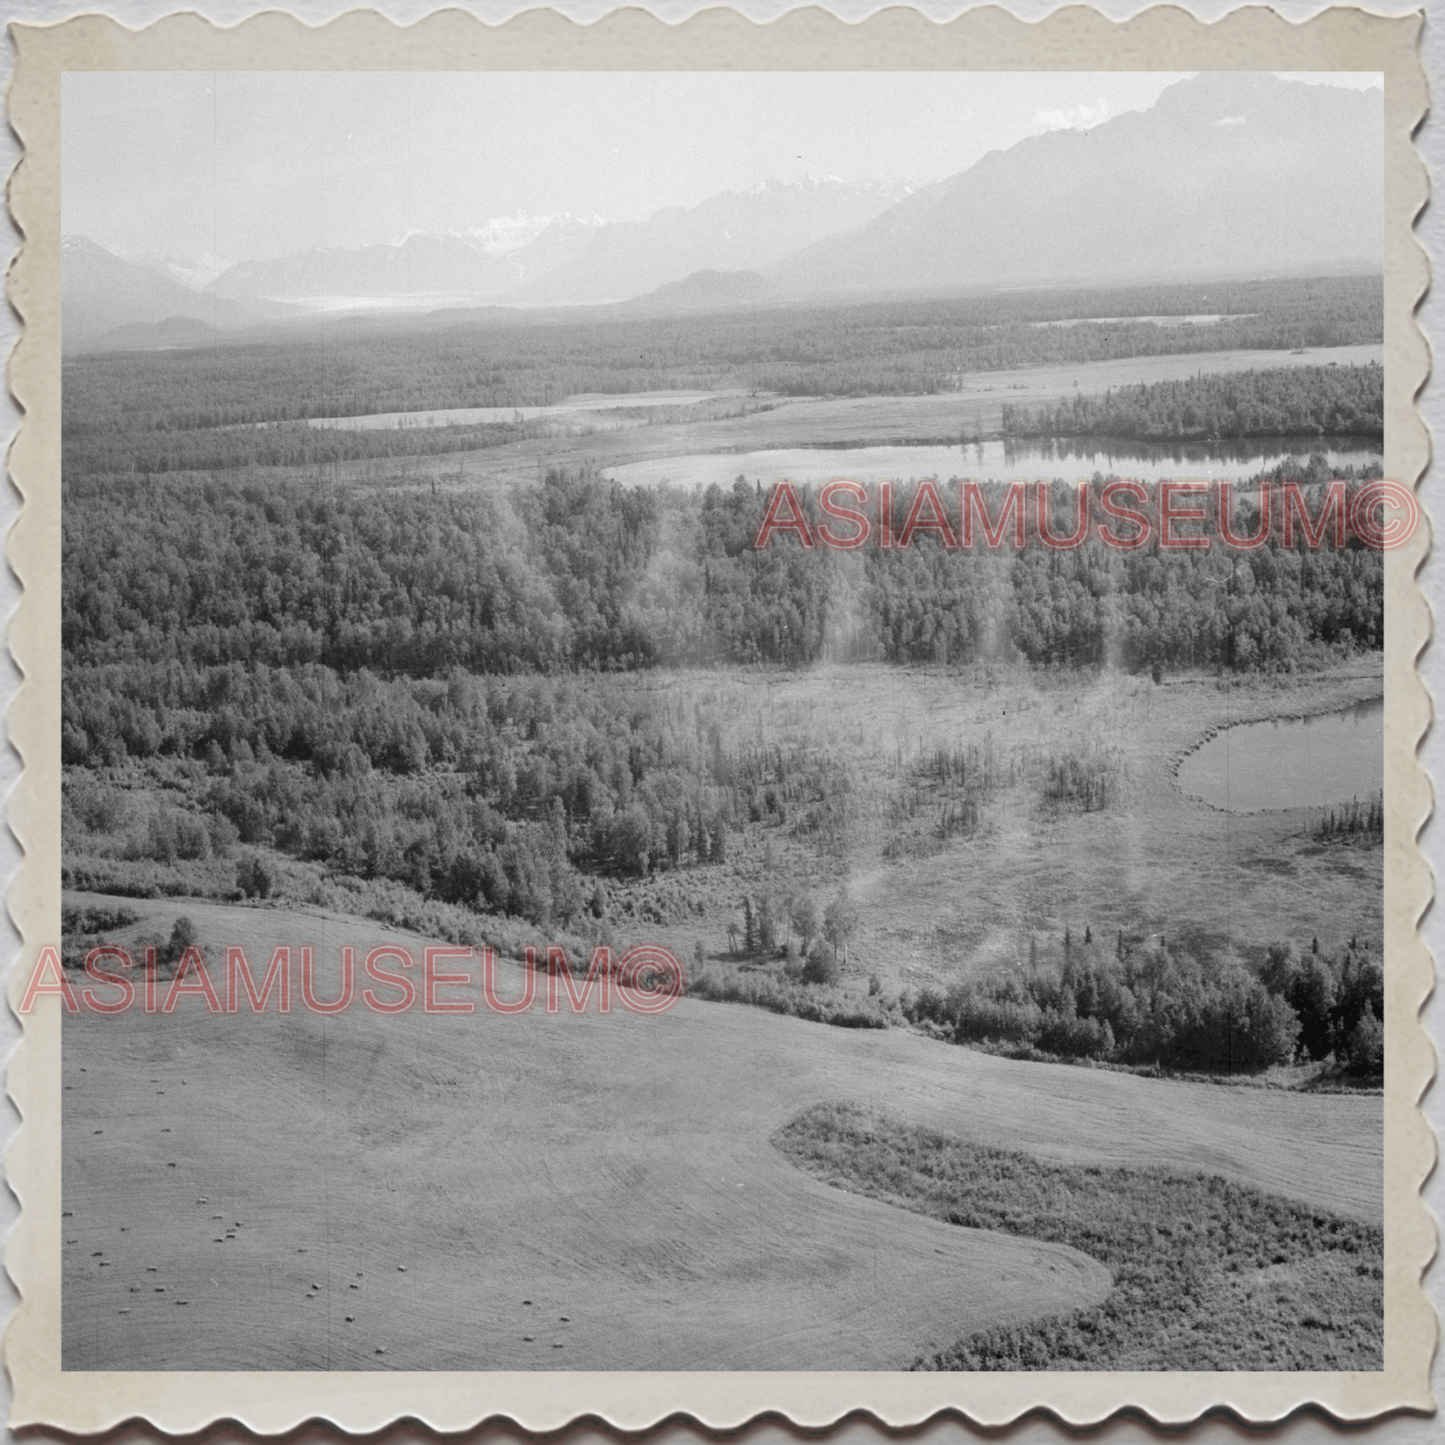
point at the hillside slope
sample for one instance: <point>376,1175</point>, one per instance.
<point>430,1175</point>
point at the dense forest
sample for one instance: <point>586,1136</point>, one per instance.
<point>577,574</point>
<point>493,797</point>
<point>906,347</point>
<point>1304,400</point>
<point>96,451</point>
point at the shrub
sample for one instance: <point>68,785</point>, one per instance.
<point>160,838</point>
<point>631,838</point>
<point>782,996</point>
<point>99,809</point>
<point>224,834</point>
<point>821,967</point>
<point>253,877</point>
<point>183,936</point>
<point>1076,1038</point>
<point>95,920</point>
<point>982,1019</point>
<point>1087,781</point>
<point>1365,1052</point>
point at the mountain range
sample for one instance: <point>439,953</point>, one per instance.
<point>749,230</point>
<point>1226,174</point>
<point>101,291</point>
<point>562,261</point>
<point>419,266</point>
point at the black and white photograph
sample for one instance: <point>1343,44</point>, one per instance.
<point>722,721</point>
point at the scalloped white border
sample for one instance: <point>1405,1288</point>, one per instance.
<point>1077,37</point>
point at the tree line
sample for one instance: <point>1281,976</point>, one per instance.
<point>105,451</point>
<point>1144,1002</point>
<point>1301,400</point>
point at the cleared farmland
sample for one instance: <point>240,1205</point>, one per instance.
<point>576,1192</point>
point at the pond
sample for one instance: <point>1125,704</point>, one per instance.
<point>1295,762</point>
<point>997,461</point>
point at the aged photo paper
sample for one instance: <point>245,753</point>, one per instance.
<point>719,719</point>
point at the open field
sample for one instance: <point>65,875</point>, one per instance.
<point>936,912</point>
<point>428,1174</point>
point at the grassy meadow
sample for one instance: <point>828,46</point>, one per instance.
<point>933,909</point>
<point>440,1191</point>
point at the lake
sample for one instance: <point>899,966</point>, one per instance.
<point>1298,762</point>
<point>1197,318</point>
<point>996,460</point>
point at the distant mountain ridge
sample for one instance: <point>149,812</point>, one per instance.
<point>519,260</point>
<point>1227,173</point>
<point>194,272</point>
<point>562,260</point>
<point>705,291</point>
<point>481,265</point>
<point>101,291</point>
<point>748,230</point>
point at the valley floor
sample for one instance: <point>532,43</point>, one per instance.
<point>975,408</point>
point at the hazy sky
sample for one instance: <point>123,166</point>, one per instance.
<point>249,166</point>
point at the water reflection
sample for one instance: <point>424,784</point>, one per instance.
<point>1073,460</point>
